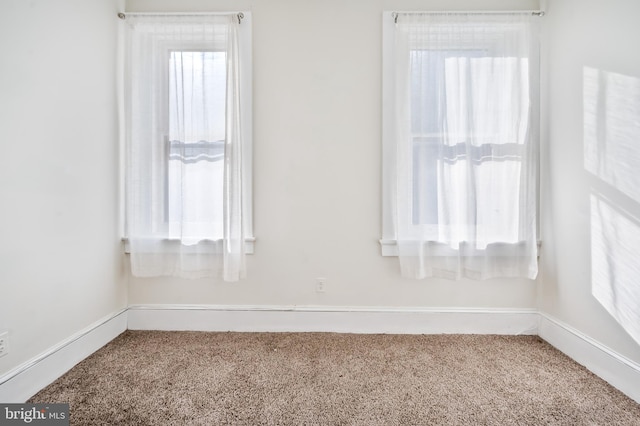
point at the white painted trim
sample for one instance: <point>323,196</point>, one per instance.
<point>389,247</point>
<point>621,372</point>
<point>337,319</point>
<point>24,381</point>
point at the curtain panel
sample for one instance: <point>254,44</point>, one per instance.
<point>186,188</point>
<point>461,144</point>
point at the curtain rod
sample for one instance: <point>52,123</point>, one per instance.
<point>239,15</point>
<point>470,12</point>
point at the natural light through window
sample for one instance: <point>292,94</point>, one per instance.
<point>615,268</point>
<point>612,155</point>
<point>612,129</point>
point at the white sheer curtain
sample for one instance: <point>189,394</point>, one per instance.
<point>465,135</point>
<point>184,178</point>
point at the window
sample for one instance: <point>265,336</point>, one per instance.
<point>188,137</point>
<point>460,144</point>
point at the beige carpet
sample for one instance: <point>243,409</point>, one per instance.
<point>162,378</point>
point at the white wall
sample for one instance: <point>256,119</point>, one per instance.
<point>317,165</point>
<point>591,220</point>
<point>60,256</point>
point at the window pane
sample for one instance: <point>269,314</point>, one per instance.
<point>195,152</point>
<point>467,141</point>
<point>428,117</point>
<point>197,93</point>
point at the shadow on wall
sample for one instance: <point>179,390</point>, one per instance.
<point>612,155</point>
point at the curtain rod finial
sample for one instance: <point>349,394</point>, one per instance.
<point>121,15</point>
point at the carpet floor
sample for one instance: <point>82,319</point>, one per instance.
<point>197,378</point>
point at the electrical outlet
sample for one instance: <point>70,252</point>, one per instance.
<point>4,343</point>
<point>320,285</point>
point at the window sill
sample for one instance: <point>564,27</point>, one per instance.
<point>249,243</point>
<point>389,248</point>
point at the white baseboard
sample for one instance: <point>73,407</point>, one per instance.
<point>620,372</point>
<point>332,319</point>
<point>24,381</point>
<point>21,383</point>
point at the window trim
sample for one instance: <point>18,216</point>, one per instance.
<point>388,242</point>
